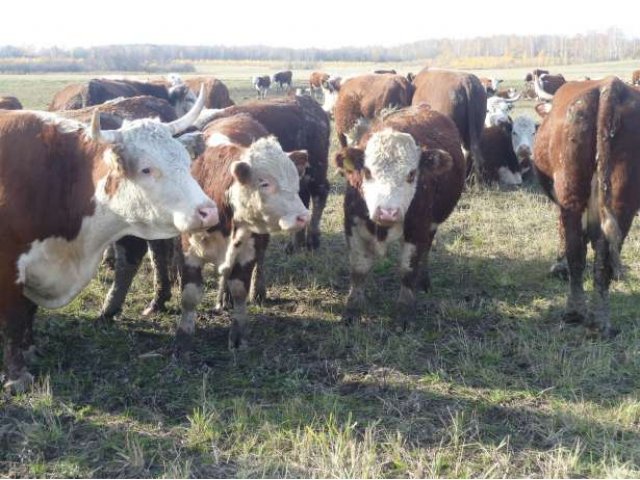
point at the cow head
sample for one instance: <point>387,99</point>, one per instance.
<point>149,185</point>
<point>182,98</point>
<point>264,194</point>
<point>387,172</point>
<point>523,131</point>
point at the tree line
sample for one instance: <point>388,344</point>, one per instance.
<point>497,50</point>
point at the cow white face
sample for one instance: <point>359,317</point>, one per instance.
<point>265,193</point>
<point>523,133</point>
<point>151,186</point>
<point>390,174</point>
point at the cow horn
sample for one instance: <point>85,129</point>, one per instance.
<point>188,119</point>
<point>97,134</point>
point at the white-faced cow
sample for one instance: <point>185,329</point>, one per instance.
<point>66,192</point>
<point>462,98</point>
<point>262,85</point>
<point>507,149</point>
<point>256,185</point>
<point>498,110</point>
<point>9,102</point>
<point>280,79</point>
<point>403,180</point>
<point>586,157</point>
<point>490,85</point>
<point>365,96</point>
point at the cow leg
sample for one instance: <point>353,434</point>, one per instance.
<point>576,248</point>
<point>160,251</point>
<point>319,199</point>
<point>129,254</point>
<point>361,259</point>
<point>239,283</point>
<point>560,269</point>
<point>28,343</point>
<point>258,290</point>
<point>18,323</point>
<point>192,292</point>
<point>602,274</point>
<point>299,238</point>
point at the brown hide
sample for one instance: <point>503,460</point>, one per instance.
<point>318,79</point>
<point>71,97</point>
<point>10,102</point>
<point>216,93</point>
<point>366,96</point>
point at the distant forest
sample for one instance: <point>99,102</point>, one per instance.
<point>480,52</point>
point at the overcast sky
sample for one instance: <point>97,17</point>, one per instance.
<point>299,23</point>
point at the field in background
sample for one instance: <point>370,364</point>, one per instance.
<point>487,384</point>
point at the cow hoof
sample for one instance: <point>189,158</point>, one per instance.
<point>573,317</point>
<point>106,319</point>
<point>19,385</point>
<point>153,308</point>
<point>258,297</point>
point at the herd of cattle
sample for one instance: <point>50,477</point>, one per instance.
<point>174,167</point>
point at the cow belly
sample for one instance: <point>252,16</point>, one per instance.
<point>54,271</point>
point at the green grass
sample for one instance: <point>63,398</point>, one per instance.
<point>486,384</point>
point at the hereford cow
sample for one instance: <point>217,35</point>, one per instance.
<point>262,85</point>
<point>365,96</point>
<point>216,93</point>
<point>461,97</point>
<point>298,123</point>
<point>99,90</point>
<point>635,78</point>
<point>280,79</point>
<point>66,192</point>
<point>256,185</point>
<point>535,73</point>
<point>547,85</point>
<point>490,85</point>
<point>9,102</point>
<point>317,81</point>
<point>507,149</point>
<point>403,180</point>
<point>498,109</point>
<point>586,158</point>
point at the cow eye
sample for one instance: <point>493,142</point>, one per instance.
<point>367,173</point>
<point>411,177</point>
<point>146,171</point>
<point>263,183</point>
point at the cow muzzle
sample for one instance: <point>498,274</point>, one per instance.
<point>387,216</point>
<point>295,223</point>
<point>205,216</point>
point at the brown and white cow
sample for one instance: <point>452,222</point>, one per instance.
<point>365,96</point>
<point>404,178</point>
<point>635,78</point>
<point>261,84</point>
<point>99,90</point>
<point>462,98</point>
<point>9,102</point>
<point>66,192</point>
<point>216,92</point>
<point>490,85</point>
<point>586,157</point>
<point>283,78</point>
<point>546,85</point>
<point>316,82</point>
<point>507,149</point>
<point>256,185</point>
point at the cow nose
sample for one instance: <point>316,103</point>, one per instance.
<point>302,220</point>
<point>208,215</point>
<point>387,214</point>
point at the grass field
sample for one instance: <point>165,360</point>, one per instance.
<point>487,384</point>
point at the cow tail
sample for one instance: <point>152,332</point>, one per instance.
<point>475,92</point>
<point>608,122</point>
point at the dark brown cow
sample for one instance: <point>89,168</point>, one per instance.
<point>547,85</point>
<point>462,98</point>
<point>635,77</point>
<point>66,192</point>
<point>403,180</point>
<point>283,78</point>
<point>262,85</point>
<point>100,90</point>
<point>586,158</point>
<point>299,123</point>
<point>364,97</point>
<point>216,93</point>
<point>9,102</point>
<point>256,185</point>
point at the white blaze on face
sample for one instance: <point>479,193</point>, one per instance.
<point>269,201</point>
<point>158,197</point>
<point>390,174</point>
<point>522,136</point>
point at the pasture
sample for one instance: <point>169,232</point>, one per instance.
<point>487,383</point>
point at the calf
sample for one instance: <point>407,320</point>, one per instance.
<point>403,180</point>
<point>9,102</point>
<point>262,85</point>
<point>365,96</point>
<point>66,192</point>
<point>586,158</point>
<point>507,150</point>
<point>256,185</point>
<point>283,78</point>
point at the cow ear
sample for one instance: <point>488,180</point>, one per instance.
<point>435,161</point>
<point>194,143</point>
<point>300,159</point>
<point>543,109</point>
<point>241,171</point>
<point>350,159</point>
